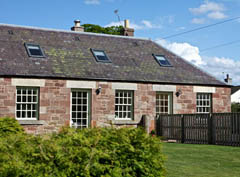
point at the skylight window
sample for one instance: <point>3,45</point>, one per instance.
<point>100,56</point>
<point>34,50</point>
<point>162,60</point>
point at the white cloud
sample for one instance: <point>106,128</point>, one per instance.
<point>148,24</point>
<point>185,50</point>
<point>207,7</point>
<point>217,15</point>
<point>211,10</point>
<point>92,2</point>
<point>198,20</point>
<point>220,66</point>
<point>182,28</point>
<point>145,24</point>
<point>216,66</point>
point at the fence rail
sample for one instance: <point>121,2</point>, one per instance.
<point>215,128</point>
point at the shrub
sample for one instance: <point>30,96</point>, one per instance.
<point>235,107</point>
<point>9,126</point>
<point>88,152</point>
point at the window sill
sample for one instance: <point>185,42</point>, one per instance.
<point>31,122</point>
<point>124,122</point>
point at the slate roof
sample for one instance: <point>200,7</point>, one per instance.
<point>235,89</point>
<point>68,56</point>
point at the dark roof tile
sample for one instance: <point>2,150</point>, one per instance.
<point>68,55</point>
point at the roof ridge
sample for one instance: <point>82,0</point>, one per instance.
<point>197,67</point>
<point>73,32</point>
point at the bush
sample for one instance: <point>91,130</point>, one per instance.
<point>88,152</point>
<point>9,126</point>
<point>235,107</point>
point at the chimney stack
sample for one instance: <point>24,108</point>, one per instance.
<point>127,31</point>
<point>77,27</point>
<point>228,80</point>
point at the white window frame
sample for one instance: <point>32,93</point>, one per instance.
<point>119,105</point>
<point>169,100</point>
<point>201,102</point>
<point>26,103</point>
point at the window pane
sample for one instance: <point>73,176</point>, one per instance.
<point>29,106</point>
<point>18,106</point>
<point>35,99</point>
<point>24,99</point>
<point>18,114</point>
<point>34,114</point>
<point>74,108</point>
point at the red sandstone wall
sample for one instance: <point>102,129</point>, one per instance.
<point>7,98</point>
<point>55,103</point>
<point>222,100</point>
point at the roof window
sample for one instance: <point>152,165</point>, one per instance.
<point>100,56</point>
<point>34,50</point>
<point>162,60</point>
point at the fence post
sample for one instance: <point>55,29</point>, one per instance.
<point>158,125</point>
<point>210,129</point>
<point>213,129</point>
<point>182,129</point>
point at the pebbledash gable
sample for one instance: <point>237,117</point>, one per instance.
<point>53,78</point>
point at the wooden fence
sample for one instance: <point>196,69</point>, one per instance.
<point>215,128</point>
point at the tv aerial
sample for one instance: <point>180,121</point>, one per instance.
<point>116,12</point>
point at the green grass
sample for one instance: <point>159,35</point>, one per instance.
<point>187,160</point>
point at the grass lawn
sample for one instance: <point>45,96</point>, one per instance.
<point>186,160</point>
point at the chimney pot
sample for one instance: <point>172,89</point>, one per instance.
<point>77,26</point>
<point>126,23</point>
<point>77,23</point>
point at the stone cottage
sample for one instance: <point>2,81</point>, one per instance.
<point>51,78</point>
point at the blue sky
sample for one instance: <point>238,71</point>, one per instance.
<point>153,19</point>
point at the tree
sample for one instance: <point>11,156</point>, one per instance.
<point>235,107</point>
<point>114,30</point>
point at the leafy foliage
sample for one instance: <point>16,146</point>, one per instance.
<point>9,126</point>
<point>89,152</point>
<point>114,30</point>
<point>235,107</point>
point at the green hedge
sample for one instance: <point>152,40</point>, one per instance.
<point>89,152</point>
<point>9,126</point>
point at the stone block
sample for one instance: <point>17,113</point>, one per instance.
<point>201,89</point>
<point>81,84</point>
<point>164,88</point>
<point>124,86</point>
<point>28,82</point>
